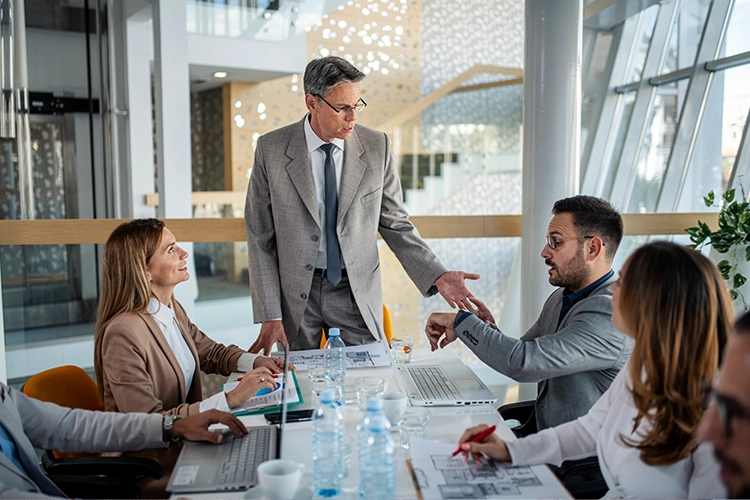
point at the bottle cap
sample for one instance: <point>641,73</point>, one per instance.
<point>374,403</point>
<point>327,396</point>
<point>334,332</point>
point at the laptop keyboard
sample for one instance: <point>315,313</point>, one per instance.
<point>432,383</point>
<point>242,455</point>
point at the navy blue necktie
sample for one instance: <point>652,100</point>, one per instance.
<point>333,251</point>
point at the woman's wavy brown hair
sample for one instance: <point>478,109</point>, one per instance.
<point>675,304</point>
<point>125,285</point>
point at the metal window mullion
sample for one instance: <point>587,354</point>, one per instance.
<point>741,167</point>
<point>603,136</point>
<point>643,105</point>
<point>688,125</point>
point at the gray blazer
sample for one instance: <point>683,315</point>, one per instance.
<point>283,231</point>
<point>574,363</point>
<point>31,423</point>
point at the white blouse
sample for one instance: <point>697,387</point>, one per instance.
<point>598,433</point>
<point>165,318</point>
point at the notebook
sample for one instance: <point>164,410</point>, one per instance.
<point>231,465</point>
<point>451,385</point>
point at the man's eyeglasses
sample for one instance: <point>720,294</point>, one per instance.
<point>361,105</point>
<point>729,409</point>
<point>556,241</point>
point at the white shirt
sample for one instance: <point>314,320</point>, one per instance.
<point>317,163</point>
<point>165,318</point>
<point>598,433</point>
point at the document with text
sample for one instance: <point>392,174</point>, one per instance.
<point>357,356</point>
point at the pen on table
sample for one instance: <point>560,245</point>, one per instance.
<point>482,435</point>
<point>275,375</point>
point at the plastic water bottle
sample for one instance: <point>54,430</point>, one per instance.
<point>374,410</point>
<point>334,359</point>
<point>327,447</point>
<point>377,466</point>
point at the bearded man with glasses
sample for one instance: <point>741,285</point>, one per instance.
<point>726,424</point>
<point>320,192</point>
<point>573,351</point>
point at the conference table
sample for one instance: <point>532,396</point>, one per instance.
<point>446,425</point>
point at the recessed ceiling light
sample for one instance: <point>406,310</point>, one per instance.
<point>220,74</point>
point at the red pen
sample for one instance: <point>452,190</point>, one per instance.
<point>482,435</point>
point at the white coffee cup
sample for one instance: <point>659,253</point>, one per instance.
<point>394,405</point>
<point>279,479</point>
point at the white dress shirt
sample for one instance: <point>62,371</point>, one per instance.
<point>317,163</point>
<point>167,322</point>
<point>599,433</point>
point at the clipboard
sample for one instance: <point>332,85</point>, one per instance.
<point>274,408</point>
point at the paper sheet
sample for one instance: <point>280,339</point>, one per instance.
<point>441,476</point>
<point>357,356</point>
<point>269,399</point>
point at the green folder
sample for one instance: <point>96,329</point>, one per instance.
<point>274,408</point>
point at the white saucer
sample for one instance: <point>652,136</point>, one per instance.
<point>303,493</point>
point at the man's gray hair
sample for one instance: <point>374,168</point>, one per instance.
<point>325,73</point>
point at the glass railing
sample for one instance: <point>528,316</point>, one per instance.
<point>262,20</point>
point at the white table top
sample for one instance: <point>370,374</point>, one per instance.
<point>446,425</point>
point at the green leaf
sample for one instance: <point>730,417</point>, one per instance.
<point>724,268</point>
<point>734,294</point>
<point>747,253</point>
<point>728,196</point>
<point>739,280</point>
<point>704,227</point>
<point>709,198</point>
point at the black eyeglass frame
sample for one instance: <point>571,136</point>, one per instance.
<point>357,107</point>
<point>555,246</point>
<point>728,410</point>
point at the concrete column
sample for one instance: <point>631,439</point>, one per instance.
<point>552,124</point>
<point>172,98</point>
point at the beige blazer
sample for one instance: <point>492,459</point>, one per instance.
<point>283,231</point>
<point>142,374</point>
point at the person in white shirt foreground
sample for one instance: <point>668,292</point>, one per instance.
<point>674,303</point>
<point>727,423</point>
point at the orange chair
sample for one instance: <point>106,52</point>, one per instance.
<point>387,328</point>
<point>86,475</point>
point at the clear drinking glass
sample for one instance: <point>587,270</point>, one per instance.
<point>401,348</point>
<point>368,387</point>
<point>317,374</point>
<point>413,423</point>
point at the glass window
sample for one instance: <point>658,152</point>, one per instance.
<point>654,154</point>
<point>621,128</point>
<point>686,35</point>
<point>642,43</point>
<point>594,89</point>
<point>737,39</point>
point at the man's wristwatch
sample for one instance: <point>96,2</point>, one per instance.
<point>167,425</point>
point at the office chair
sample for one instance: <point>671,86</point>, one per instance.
<point>86,475</point>
<point>582,478</point>
<point>387,328</point>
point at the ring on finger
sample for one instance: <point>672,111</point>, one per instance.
<point>262,378</point>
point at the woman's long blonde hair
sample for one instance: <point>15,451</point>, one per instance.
<point>125,285</point>
<point>675,304</point>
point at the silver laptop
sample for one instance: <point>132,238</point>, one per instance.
<point>231,465</point>
<point>451,385</point>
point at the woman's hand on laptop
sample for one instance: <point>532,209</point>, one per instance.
<point>251,383</point>
<point>276,365</point>
<point>195,427</point>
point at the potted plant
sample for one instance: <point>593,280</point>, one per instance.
<point>732,238</point>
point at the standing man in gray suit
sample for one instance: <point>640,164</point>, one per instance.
<point>319,193</point>
<point>572,350</point>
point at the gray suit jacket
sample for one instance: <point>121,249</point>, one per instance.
<point>283,231</point>
<point>574,363</point>
<point>31,423</point>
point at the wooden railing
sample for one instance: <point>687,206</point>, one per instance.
<point>88,231</point>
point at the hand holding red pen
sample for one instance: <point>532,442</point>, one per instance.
<point>482,441</point>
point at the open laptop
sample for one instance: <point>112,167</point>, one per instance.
<point>231,465</point>
<point>450,385</point>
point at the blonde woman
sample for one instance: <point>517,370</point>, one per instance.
<point>147,353</point>
<point>674,303</point>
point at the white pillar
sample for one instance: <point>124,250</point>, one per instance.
<point>172,97</point>
<point>552,124</point>
<point>3,361</point>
